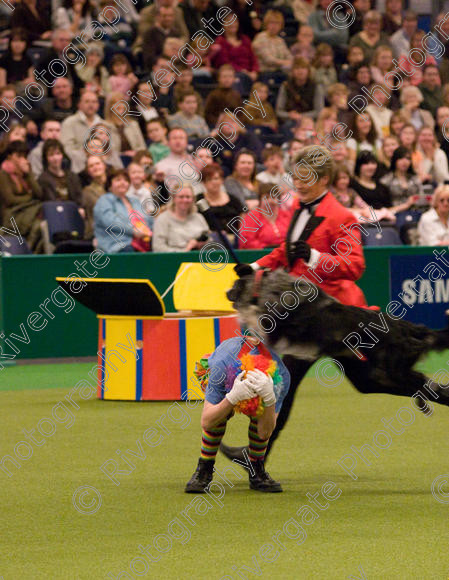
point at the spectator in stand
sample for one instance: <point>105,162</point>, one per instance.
<point>270,223</point>
<point>271,50</point>
<point>155,36</point>
<point>224,205</point>
<point>125,134</point>
<point>51,129</point>
<point>402,183</point>
<point>433,226</point>
<point>380,114</point>
<point>157,133</point>
<point>222,97</point>
<point>16,66</point>
<point>365,183</point>
<point>326,122</point>
<point>93,73</point>
<point>354,59</point>
<point>381,64</point>
<point>237,138</point>
<point>304,44</point>
<point>337,97</point>
<point>401,39</point>
<point>60,39</point>
<point>431,89</point>
<point>184,82</point>
<point>148,16</point>
<point>17,132</point>
<point>249,15</point>
<point>408,138</point>
<point>145,160</point>
<point>360,78</point>
<point>20,195</point>
<point>196,12</point>
<point>411,100</point>
<point>442,129</point>
<point>164,101</point>
<point>181,228</point>
<point>121,79</point>
<point>75,129</point>
<point>274,167</point>
<point>397,122</point>
<point>187,117</point>
<point>371,36</point>
<point>123,211</point>
<point>389,145</point>
<point>325,73</point>
<point>361,7</point>
<point>177,142</point>
<point>347,196</point>
<point>62,104</point>
<point>144,106</point>
<point>242,183</point>
<point>268,118</point>
<point>36,23</point>
<point>432,164</point>
<point>138,188</point>
<point>75,16</point>
<point>392,18</point>
<point>364,136</point>
<point>235,49</point>
<point>57,183</point>
<point>323,31</point>
<point>412,72</point>
<point>97,172</point>
<point>298,94</point>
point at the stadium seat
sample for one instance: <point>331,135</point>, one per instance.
<point>11,246</point>
<point>387,237</point>
<point>63,224</point>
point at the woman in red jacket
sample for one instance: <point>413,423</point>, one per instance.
<point>266,226</point>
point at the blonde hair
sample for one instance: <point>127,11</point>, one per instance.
<point>170,204</point>
<point>439,191</point>
<point>319,159</point>
<point>273,16</point>
<point>411,91</point>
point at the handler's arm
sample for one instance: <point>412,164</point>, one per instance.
<point>215,414</point>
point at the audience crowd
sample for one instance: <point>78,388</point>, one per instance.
<point>135,111</point>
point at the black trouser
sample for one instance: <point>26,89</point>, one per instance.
<point>360,375</point>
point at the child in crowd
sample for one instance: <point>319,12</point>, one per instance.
<point>223,97</point>
<point>137,187</point>
<point>241,376</point>
<point>122,79</point>
<point>354,59</point>
<point>325,73</point>
<point>274,166</point>
<point>304,45</point>
<point>269,118</point>
<point>157,133</point>
<point>187,116</point>
<point>93,73</point>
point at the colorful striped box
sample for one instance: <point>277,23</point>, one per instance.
<point>167,350</point>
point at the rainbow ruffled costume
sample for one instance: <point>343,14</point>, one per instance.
<point>244,362</point>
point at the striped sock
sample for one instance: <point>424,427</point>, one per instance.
<point>211,440</point>
<point>257,446</point>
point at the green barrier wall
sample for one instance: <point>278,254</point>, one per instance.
<point>27,281</point>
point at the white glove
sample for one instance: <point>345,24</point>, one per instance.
<point>263,385</point>
<point>241,390</point>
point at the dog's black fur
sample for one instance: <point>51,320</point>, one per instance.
<point>318,325</point>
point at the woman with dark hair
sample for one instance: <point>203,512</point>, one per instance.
<point>16,65</point>
<point>75,15</point>
<point>118,209</point>
<point>56,182</point>
<point>224,206</point>
<point>20,194</point>
<point>271,222</point>
<point>401,182</point>
<point>364,136</point>
<point>365,184</point>
<point>36,23</point>
<point>242,184</point>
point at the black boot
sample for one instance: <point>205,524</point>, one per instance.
<point>234,452</point>
<point>201,478</point>
<point>261,481</point>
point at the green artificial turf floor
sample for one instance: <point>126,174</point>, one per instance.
<point>385,524</point>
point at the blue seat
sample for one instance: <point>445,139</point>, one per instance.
<point>11,246</point>
<point>63,220</point>
<point>389,236</point>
